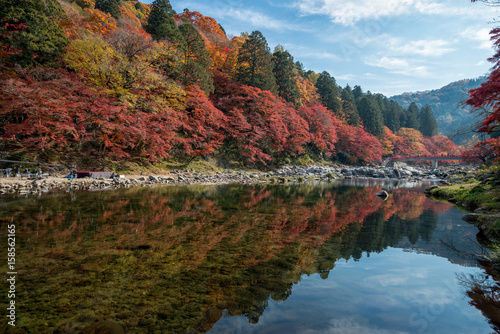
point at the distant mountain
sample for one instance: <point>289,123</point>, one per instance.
<point>452,116</point>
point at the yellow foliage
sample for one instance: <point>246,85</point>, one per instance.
<point>129,15</point>
<point>99,22</point>
<point>158,93</point>
<point>96,60</point>
<point>93,59</point>
<point>307,90</point>
<point>132,80</point>
<point>387,142</point>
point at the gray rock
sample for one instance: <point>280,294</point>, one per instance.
<point>471,217</point>
<point>428,189</point>
<point>382,194</point>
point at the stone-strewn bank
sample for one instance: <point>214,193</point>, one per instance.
<point>281,175</point>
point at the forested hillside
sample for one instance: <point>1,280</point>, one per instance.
<point>108,82</point>
<point>453,116</point>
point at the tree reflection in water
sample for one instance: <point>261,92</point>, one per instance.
<point>484,294</point>
<point>173,259</point>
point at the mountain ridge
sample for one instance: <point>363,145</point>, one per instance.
<point>454,118</point>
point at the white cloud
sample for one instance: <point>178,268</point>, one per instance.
<point>481,35</point>
<point>345,77</point>
<point>399,66</point>
<point>257,20</point>
<point>236,12</point>
<point>353,325</point>
<point>319,55</point>
<point>348,13</point>
<point>427,48</point>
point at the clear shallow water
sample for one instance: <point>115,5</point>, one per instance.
<point>330,258</point>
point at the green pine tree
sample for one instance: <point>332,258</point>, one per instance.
<point>161,24</point>
<point>254,65</point>
<point>284,72</point>
<point>109,6</point>
<point>412,116</point>
<point>30,28</point>
<point>300,68</point>
<point>328,92</point>
<point>357,92</point>
<point>392,116</point>
<point>371,116</point>
<point>197,61</point>
<point>428,125</point>
<point>349,106</point>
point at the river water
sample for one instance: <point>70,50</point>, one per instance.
<point>322,258</point>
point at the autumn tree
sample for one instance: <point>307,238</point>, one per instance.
<point>312,76</point>
<point>31,31</point>
<point>486,98</point>
<point>427,123</point>
<point>131,42</point>
<point>322,129</point>
<point>388,141</point>
<point>357,144</point>
<point>409,142</point>
<point>116,63</point>
<point>286,79</point>
<point>327,90</point>
<point>307,90</point>
<point>371,116</point>
<point>97,22</point>
<point>202,126</point>
<point>197,62</point>
<point>206,24</point>
<point>254,65</point>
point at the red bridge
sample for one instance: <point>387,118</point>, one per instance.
<point>433,158</point>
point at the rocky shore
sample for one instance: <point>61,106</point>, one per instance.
<point>478,193</point>
<point>282,175</point>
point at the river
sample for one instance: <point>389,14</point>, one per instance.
<point>301,258</point>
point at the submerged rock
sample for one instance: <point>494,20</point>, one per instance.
<point>382,194</point>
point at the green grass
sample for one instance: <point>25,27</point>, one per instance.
<point>473,193</point>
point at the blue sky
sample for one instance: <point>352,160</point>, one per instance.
<point>385,46</point>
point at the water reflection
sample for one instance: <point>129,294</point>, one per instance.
<point>177,259</point>
<point>484,294</point>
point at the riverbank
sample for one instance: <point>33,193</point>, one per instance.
<point>185,177</point>
<point>479,193</point>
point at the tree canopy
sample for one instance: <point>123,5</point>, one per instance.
<point>157,85</point>
<point>254,65</point>
<point>286,78</point>
<point>31,30</point>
